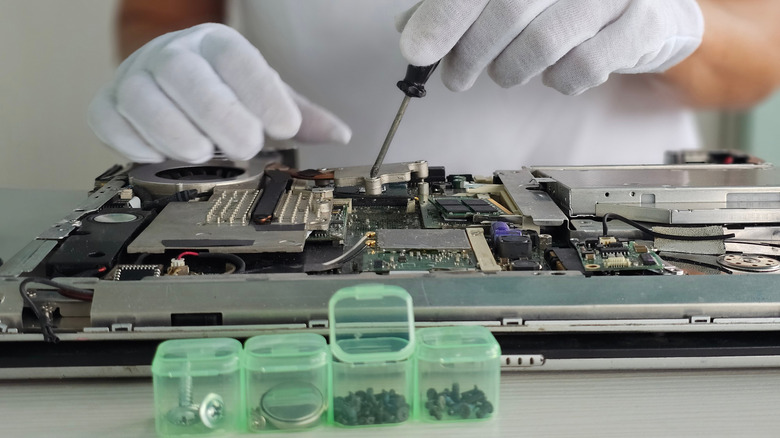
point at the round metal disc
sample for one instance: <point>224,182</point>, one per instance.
<point>114,218</point>
<point>749,263</point>
<point>293,405</point>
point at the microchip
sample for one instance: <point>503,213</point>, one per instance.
<point>647,259</point>
<point>448,201</point>
<point>613,251</point>
<point>456,209</point>
<point>480,205</point>
<point>379,265</point>
<point>136,272</point>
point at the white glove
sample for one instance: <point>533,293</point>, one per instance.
<point>575,44</point>
<point>186,92</point>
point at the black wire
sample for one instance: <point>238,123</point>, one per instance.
<point>46,329</point>
<point>141,258</point>
<point>657,235</point>
<point>321,267</point>
<point>62,289</point>
<point>65,290</point>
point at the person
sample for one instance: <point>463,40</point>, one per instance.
<point>568,81</point>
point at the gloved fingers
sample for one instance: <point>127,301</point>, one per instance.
<point>159,121</point>
<point>112,129</point>
<point>436,26</point>
<point>591,63</point>
<point>619,48</point>
<point>319,125</point>
<point>403,18</point>
<point>498,25</point>
<point>190,82</point>
<point>254,82</point>
<point>554,33</point>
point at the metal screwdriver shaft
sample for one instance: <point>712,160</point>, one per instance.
<point>413,85</point>
<point>389,139</point>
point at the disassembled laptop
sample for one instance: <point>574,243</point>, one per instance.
<point>570,267</point>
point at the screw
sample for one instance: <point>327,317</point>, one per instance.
<point>454,403</point>
<point>258,420</point>
<point>212,410</point>
<point>368,407</point>
<point>186,414</point>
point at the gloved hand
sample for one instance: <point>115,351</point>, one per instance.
<point>186,92</point>
<point>574,44</point>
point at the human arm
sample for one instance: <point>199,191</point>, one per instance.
<point>738,62</point>
<point>140,21</point>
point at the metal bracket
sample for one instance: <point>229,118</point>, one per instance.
<point>66,225</point>
<point>512,321</point>
<point>122,327</point>
<point>318,323</point>
<point>388,173</point>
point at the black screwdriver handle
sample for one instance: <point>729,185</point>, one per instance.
<point>413,84</point>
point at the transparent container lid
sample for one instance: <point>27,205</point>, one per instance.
<point>197,357</point>
<point>457,344</point>
<point>371,323</point>
<point>288,352</point>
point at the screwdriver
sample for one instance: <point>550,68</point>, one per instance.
<point>413,85</point>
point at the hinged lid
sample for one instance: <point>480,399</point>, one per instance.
<point>371,323</point>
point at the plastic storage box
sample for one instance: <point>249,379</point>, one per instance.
<point>286,378</point>
<point>197,386</point>
<point>372,342</point>
<point>458,373</point>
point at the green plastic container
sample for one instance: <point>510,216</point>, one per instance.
<point>286,381</point>
<point>458,373</point>
<point>372,342</point>
<point>197,387</point>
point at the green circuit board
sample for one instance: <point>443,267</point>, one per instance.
<point>608,254</point>
<point>416,260</point>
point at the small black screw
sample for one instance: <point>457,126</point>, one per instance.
<point>453,403</point>
<point>367,407</point>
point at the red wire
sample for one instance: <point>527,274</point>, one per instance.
<point>187,253</point>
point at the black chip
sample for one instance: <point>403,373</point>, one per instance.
<point>487,208</point>
<point>379,265</point>
<point>136,272</point>
<point>456,208</point>
<point>448,201</point>
<point>647,259</point>
<point>621,251</point>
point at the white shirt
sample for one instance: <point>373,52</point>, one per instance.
<point>344,55</point>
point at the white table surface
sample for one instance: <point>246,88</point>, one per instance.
<point>724,403</point>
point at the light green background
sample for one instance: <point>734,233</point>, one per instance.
<point>763,131</point>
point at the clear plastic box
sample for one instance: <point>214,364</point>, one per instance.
<point>458,373</point>
<point>372,342</point>
<point>197,387</point>
<point>286,381</point>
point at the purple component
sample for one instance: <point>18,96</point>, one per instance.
<point>500,229</point>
